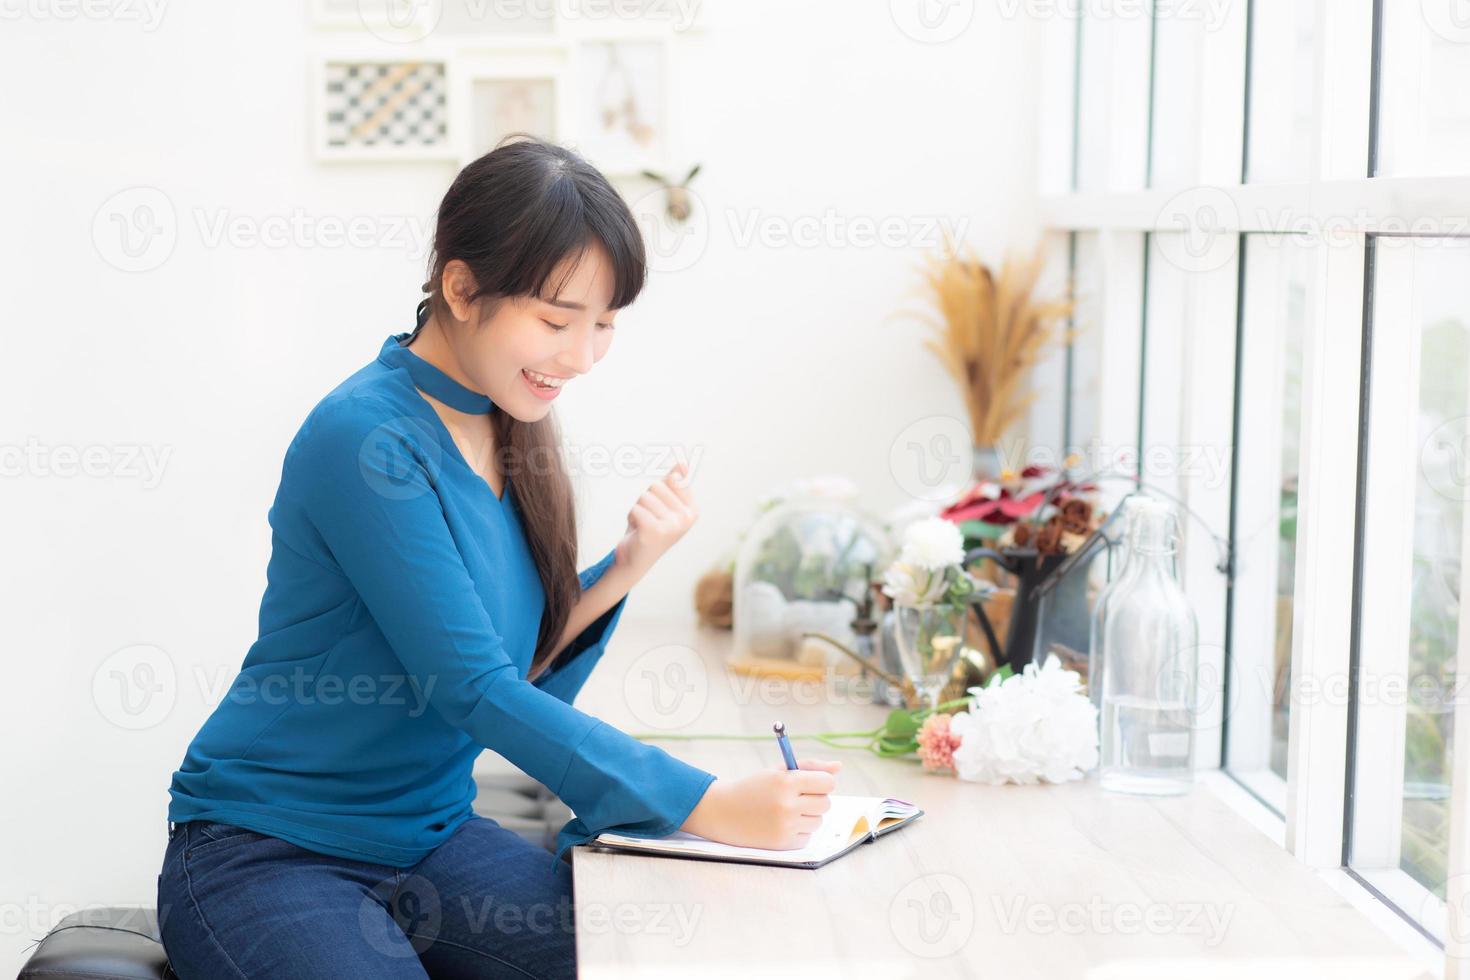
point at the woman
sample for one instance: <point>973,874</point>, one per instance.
<point>422,605</point>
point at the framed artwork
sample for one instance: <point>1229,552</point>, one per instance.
<point>502,89</point>
<point>501,106</point>
<point>622,103</point>
<point>372,109</point>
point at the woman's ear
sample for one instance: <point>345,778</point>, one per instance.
<point>458,287</point>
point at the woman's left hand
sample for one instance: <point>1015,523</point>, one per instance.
<point>660,517</point>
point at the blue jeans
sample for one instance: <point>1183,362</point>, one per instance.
<point>234,904</point>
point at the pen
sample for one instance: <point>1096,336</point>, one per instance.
<point>785,744</point>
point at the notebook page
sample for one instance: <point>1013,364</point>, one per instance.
<point>891,811</point>
<point>836,831</point>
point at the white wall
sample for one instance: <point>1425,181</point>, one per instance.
<point>770,362</point>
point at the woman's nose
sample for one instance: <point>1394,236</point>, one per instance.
<point>580,356</point>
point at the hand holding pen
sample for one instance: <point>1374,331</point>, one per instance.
<point>777,808</point>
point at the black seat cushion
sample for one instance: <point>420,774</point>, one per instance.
<point>101,944</point>
<point>123,943</point>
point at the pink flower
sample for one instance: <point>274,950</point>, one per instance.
<point>937,743</point>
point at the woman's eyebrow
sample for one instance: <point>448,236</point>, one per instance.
<point>569,305</point>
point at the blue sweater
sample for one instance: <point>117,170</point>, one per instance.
<point>399,619</point>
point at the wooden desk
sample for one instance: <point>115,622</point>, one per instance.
<point>1050,882</point>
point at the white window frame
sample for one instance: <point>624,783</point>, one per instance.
<point>1346,207</point>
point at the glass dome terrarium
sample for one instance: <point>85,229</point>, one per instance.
<point>805,565</point>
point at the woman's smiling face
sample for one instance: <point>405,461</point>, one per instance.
<point>524,353</point>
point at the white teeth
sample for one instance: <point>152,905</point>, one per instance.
<point>543,379</point>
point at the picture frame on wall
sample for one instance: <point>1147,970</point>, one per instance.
<point>509,89</point>
<point>621,103</point>
<point>375,108</point>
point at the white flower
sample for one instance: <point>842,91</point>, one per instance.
<point>911,586</point>
<point>1032,727</point>
<point>933,543</point>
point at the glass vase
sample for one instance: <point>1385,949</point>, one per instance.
<point>928,640</point>
<point>1151,662</point>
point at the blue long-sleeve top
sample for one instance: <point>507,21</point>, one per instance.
<point>399,619</point>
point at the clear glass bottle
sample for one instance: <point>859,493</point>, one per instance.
<point>1150,642</point>
<point>1095,653</point>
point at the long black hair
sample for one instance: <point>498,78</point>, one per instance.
<point>513,216</point>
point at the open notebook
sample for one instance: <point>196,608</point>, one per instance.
<point>851,820</point>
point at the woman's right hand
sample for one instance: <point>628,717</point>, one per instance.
<point>777,809</point>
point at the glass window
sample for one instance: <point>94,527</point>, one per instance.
<point>1112,97</point>
<point>1276,307</point>
<point>1279,120</point>
<point>1084,406</point>
<point>1166,306</point>
<point>1046,416</point>
<point>1412,563</point>
<point>1424,78</point>
<point>1174,132</point>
